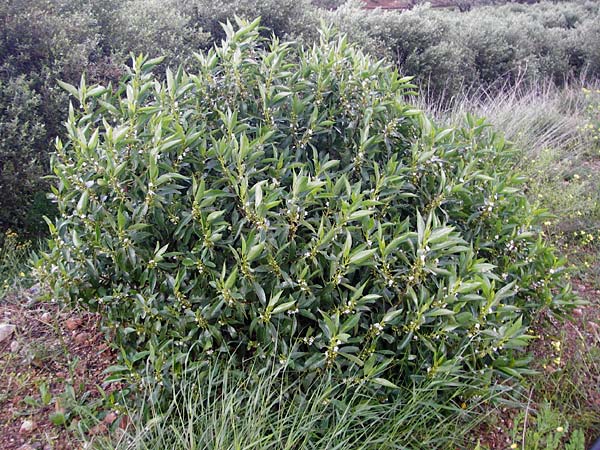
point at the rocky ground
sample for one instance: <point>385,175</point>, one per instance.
<point>51,374</point>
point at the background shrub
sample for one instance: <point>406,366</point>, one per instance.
<point>486,46</point>
<point>290,204</point>
<point>22,136</point>
<point>39,42</point>
<point>155,27</point>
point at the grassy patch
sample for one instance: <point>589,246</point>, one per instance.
<point>220,408</point>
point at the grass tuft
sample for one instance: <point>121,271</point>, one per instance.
<point>221,408</point>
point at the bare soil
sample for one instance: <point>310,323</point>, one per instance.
<point>51,367</point>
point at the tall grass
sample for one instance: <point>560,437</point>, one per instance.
<point>534,116</point>
<point>224,409</point>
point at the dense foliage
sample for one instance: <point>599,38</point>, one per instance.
<point>42,42</point>
<point>450,50</point>
<point>290,204</point>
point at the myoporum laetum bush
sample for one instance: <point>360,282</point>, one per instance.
<point>289,204</point>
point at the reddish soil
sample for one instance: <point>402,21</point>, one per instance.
<point>51,350</point>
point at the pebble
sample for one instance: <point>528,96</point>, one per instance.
<point>27,427</point>
<point>98,429</point>
<point>46,317</point>
<point>6,331</point>
<point>81,338</point>
<point>35,289</point>
<point>110,418</point>
<point>72,323</point>
<point>26,447</point>
<point>14,346</point>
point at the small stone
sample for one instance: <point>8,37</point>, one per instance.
<point>27,427</point>
<point>124,422</point>
<point>35,289</point>
<point>81,338</point>
<point>46,317</point>
<point>577,312</point>
<point>73,323</point>
<point>14,346</point>
<point>6,331</point>
<point>110,418</point>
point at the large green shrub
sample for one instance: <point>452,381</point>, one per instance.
<point>500,45</point>
<point>289,203</point>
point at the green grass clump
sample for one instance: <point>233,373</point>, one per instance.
<point>289,203</point>
<point>221,408</point>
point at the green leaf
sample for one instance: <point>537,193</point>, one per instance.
<point>357,215</point>
<point>439,312</point>
<point>359,258</point>
<point>383,382</point>
<point>69,88</point>
<point>255,252</point>
<point>58,418</point>
<point>284,307</point>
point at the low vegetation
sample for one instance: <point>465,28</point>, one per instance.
<point>447,51</point>
<point>291,245</point>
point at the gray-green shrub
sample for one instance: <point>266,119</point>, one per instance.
<point>290,204</point>
<point>39,42</point>
<point>23,139</point>
<point>448,49</point>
